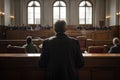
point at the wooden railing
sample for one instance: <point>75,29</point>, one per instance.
<point>25,67</point>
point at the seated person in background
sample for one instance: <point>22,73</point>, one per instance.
<point>29,46</point>
<point>38,27</point>
<point>116,47</point>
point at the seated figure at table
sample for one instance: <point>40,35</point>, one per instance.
<point>116,47</point>
<point>29,46</point>
<point>38,27</point>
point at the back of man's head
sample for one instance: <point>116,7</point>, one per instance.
<point>116,41</point>
<point>29,40</point>
<point>60,26</point>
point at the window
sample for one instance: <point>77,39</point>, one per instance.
<point>59,11</point>
<point>33,12</point>
<point>85,12</point>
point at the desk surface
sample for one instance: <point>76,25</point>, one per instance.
<point>38,55</point>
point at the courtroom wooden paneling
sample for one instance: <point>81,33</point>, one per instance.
<point>73,33</point>
<point>118,75</point>
<point>90,34</point>
<point>115,30</point>
<point>84,74</point>
<point>103,35</point>
<point>2,32</point>
<point>21,34</point>
<point>103,74</point>
<point>94,37</point>
<point>71,30</point>
<point>25,67</point>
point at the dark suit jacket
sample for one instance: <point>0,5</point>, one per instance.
<point>115,49</point>
<point>61,56</point>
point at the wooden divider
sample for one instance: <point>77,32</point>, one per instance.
<point>25,67</point>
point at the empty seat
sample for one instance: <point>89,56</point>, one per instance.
<point>15,49</point>
<point>82,42</point>
<point>96,49</point>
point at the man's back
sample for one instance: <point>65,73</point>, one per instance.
<point>63,56</point>
<point>115,49</point>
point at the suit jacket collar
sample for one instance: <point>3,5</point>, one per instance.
<point>118,45</point>
<point>61,35</point>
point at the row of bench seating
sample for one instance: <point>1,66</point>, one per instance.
<point>15,49</point>
<point>91,49</point>
<point>83,46</point>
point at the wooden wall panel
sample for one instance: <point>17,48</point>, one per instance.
<point>90,34</point>
<point>24,67</point>
<point>117,74</point>
<point>103,74</point>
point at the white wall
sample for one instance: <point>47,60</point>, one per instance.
<point>0,11</point>
<point>7,12</point>
<point>47,12</point>
<point>113,12</point>
<point>118,10</point>
<point>107,12</point>
<point>17,12</point>
<point>73,7</point>
<point>100,10</point>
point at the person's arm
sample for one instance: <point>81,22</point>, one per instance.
<point>24,45</point>
<point>36,48</point>
<point>79,60</point>
<point>111,50</point>
<point>44,57</point>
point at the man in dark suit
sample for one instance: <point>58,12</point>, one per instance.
<point>116,47</point>
<point>61,55</point>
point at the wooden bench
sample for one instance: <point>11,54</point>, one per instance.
<point>97,49</point>
<point>15,49</point>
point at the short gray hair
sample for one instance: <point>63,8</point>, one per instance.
<point>116,41</point>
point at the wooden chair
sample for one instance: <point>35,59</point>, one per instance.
<point>97,49</point>
<point>82,42</point>
<point>15,49</point>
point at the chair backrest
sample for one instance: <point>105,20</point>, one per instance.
<point>15,49</point>
<point>82,42</point>
<point>96,49</point>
